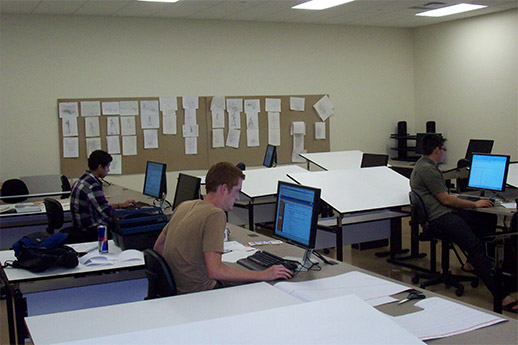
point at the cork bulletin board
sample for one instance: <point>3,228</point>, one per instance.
<point>171,147</point>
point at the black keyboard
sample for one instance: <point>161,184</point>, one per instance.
<point>265,259</point>
<point>469,197</point>
<point>140,204</point>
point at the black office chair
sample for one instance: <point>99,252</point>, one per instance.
<point>160,279</point>
<point>373,160</point>
<point>55,219</point>
<point>462,183</point>
<point>14,187</point>
<point>420,215</point>
<point>241,166</point>
<point>65,187</point>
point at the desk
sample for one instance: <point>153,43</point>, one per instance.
<point>19,282</point>
<point>148,315</point>
<point>335,160</point>
<point>352,191</point>
<point>259,188</point>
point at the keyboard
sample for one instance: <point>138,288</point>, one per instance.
<point>264,260</point>
<point>140,204</point>
<point>469,197</point>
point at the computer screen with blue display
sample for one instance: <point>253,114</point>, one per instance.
<point>155,184</point>
<point>488,172</point>
<point>296,215</point>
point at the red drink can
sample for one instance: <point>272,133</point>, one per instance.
<point>102,237</point>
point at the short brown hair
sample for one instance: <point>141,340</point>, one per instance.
<point>222,173</point>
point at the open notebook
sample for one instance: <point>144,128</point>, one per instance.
<point>95,258</point>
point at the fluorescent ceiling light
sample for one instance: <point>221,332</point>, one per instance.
<point>160,0</point>
<point>320,4</point>
<point>448,10</point>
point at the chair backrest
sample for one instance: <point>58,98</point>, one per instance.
<point>160,279</point>
<point>54,212</point>
<point>14,187</point>
<point>373,160</point>
<point>418,210</point>
<point>65,186</point>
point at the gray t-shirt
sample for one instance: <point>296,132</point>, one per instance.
<point>427,181</point>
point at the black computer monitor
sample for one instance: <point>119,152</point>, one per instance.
<point>488,172</point>
<point>187,188</point>
<point>155,182</point>
<point>478,146</point>
<point>419,142</point>
<point>270,156</point>
<point>373,160</point>
<point>296,216</point>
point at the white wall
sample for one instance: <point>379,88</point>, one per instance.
<point>368,73</point>
<point>466,79</point>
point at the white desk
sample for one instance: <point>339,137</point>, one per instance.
<point>334,160</point>
<point>359,190</point>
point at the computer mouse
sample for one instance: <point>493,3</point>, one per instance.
<point>290,265</point>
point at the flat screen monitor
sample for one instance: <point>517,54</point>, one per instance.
<point>155,183</point>
<point>478,146</point>
<point>488,172</point>
<point>373,160</point>
<point>419,142</point>
<point>296,216</point>
<point>187,188</point>
<point>270,156</point>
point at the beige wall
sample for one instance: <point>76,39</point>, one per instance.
<point>466,79</point>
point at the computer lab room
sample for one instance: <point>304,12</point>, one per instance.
<point>325,109</point>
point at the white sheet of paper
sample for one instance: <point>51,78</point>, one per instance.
<point>128,108</point>
<point>298,143</point>
<point>69,126</point>
<point>297,103</point>
<point>234,120</point>
<point>273,104</point>
<point>324,107</point>
<point>190,102</point>
<point>218,118</point>
<point>233,138</point>
<point>217,103</point>
<point>129,145</point>
<point>128,125</point>
<point>149,118</point>
<point>169,124</point>
<point>190,117</point>
<point>274,120</point>
<point>90,108</point>
<point>92,144</point>
<point>116,165</point>
<point>252,121</point>
<point>234,105</point>
<point>110,108</point>
<point>68,108</point>
<point>252,137</point>
<point>274,136</point>
<point>320,130</point>
<point>70,147</point>
<point>190,131</point>
<point>191,146</point>
<point>252,106</point>
<point>112,125</point>
<point>113,144</point>
<point>298,127</point>
<point>168,104</point>
<point>150,139</point>
<point>218,138</point>
<point>92,128</point>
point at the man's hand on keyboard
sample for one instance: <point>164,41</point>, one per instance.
<point>276,272</point>
<point>484,203</point>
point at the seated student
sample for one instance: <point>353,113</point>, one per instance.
<point>449,216</point>
<point>192,242</point>
<point>88,204</point>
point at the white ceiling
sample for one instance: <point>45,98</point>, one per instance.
<point>387,13</point>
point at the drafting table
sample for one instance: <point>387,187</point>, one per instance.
<point>36,285</point>
<point>351,191</point>
<point>120,319</point>
<point>258,188</point>
<point>334,160</point>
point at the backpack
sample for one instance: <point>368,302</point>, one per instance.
<point>39,251</point>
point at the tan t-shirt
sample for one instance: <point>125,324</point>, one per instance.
<point>196,227</point>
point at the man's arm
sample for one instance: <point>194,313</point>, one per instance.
<point>217,270</point>
<point>454,202</point>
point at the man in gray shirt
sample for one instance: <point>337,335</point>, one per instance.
<point>448,215</point>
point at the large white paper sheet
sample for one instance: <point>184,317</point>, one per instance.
<point>191,146</point>
<point>217,103</point>
<point>234,120</point>
<point>320,130</point>
<point>218,118</point>
<point>274,120</point>
<point>116,165</point>
<point>190,102</point>
<point>113,144</point>
<point>149,118</point>
<point>90,108</point>
<point>324,108</point>
<point>110,108</point>
<point>112,125</point>
<point>128,125</point>
<point>70,147</point>
<point>190,131</point>
<point>297,103</point>
<point>273,104</point>
<point>150,139</point>
<point>168,104</point>
<point>128,108</point>
<point>274,136</point>
<point>252,121</point>
<point>92,144</point>
<point>129,145</point>
<point>218,138</point>
<point>234,105</point>
<point>233,138</point>
<point>252,106</point>
<point>68,108</point>
<point>169,124</point>
<point>252,137</point>
<point>190,117</point>
<point>69,126</point>
<point>92,127</point>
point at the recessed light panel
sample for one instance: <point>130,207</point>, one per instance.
<point>449,10</point>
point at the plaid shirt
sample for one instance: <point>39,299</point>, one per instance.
<point>88,204</point>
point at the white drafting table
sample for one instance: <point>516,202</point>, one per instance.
<point>262,183</point>
<point>358,190</point>
<point>162,312</point>
<point>334,160</point>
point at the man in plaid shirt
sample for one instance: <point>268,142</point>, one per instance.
<point>88,204</point>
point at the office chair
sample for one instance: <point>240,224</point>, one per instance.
<point>241,166</point>
<point>462,183</point>
<point>55,219</point>
<point>160,279</point>
<point>420,215</point>
<point>14,187</point>
<point>373,160</point>
<point>65,187</point>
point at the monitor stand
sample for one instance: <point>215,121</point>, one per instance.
<point>305,262</point>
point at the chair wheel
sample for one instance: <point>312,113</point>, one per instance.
<point>415,280</point>
<point>422,286</point>
<point>474,283</point>
<point>459,292</point>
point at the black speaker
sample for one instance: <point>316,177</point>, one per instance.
<point>430,127</point>
<point>401,128</point>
